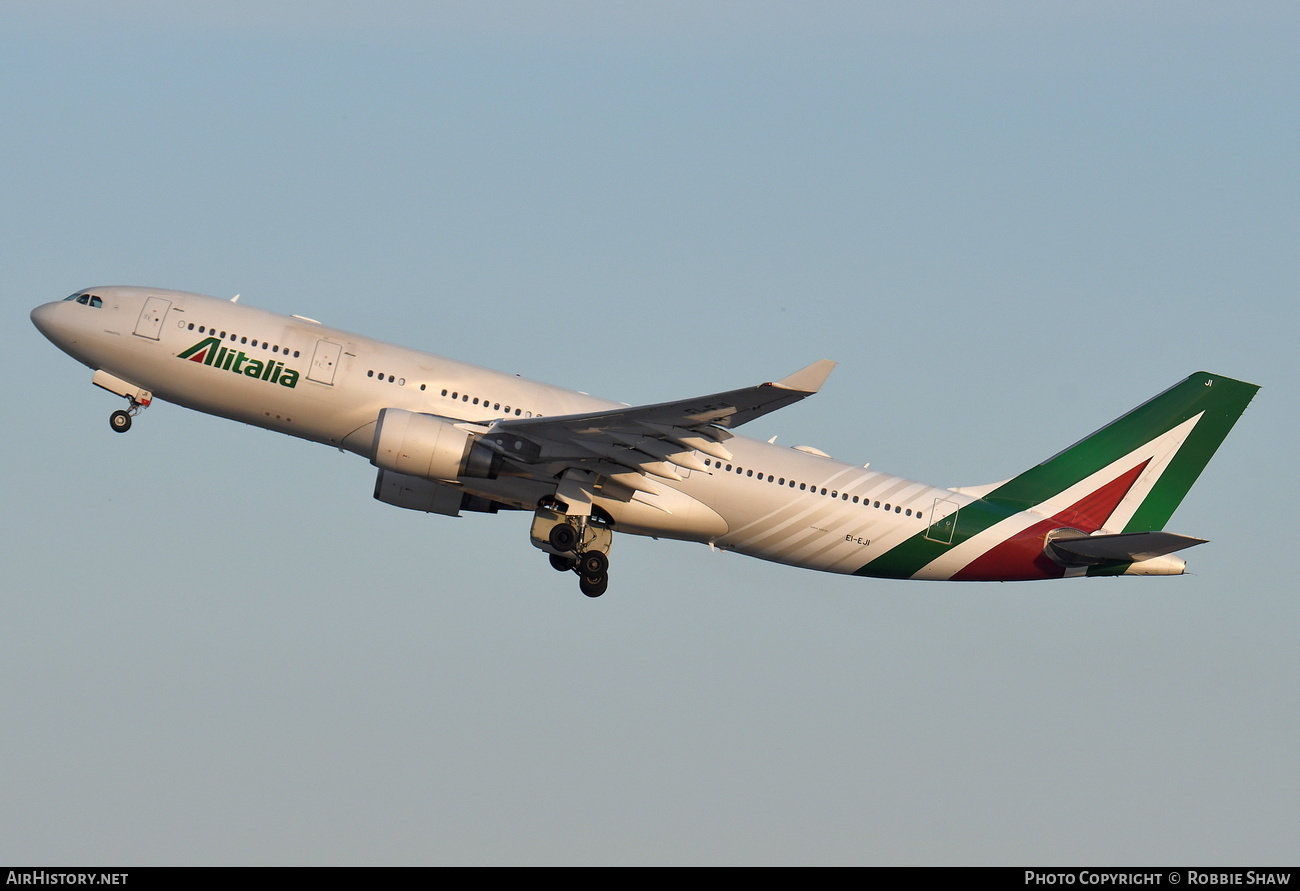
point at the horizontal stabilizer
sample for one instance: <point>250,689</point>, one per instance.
<point>1128,547</point>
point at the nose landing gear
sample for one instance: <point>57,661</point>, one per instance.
<point>138,398</point>
<point>120,420</point>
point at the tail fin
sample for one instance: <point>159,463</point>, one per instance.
<point>1130,475</point>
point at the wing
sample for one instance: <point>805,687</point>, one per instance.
<point>623,444</point>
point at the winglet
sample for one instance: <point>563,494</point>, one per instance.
<point>809,379</point>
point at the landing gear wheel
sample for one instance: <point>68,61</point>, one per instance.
<point>561,563</point>
<point>563,537</point>
<point>594,585</point>
<point>593,563</point>
<point>120,421</point>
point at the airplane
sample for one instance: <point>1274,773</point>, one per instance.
<point>446,437</point>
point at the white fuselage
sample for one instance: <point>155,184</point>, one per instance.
<point>299,377</point>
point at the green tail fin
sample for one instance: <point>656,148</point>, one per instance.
<point>1176,432</point>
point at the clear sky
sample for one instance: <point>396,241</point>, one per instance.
<point>1008,221</point>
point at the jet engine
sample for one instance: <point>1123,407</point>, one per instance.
<point>430,447</point>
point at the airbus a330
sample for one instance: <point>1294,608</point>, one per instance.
<point>447,437</point>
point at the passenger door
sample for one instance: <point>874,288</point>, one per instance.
<point>151,317</point>
<point>324,362</point>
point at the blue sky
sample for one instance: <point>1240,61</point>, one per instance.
<point>1009,222</point>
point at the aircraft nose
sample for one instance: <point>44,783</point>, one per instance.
<point>56,323</point>
<point>43,319</point>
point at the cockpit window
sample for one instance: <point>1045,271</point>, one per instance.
<point>86,300</point>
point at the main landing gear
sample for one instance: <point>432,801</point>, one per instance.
<point>575,544</point>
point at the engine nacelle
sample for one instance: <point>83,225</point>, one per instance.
<point>430,447</point>
<point>417,493</point>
